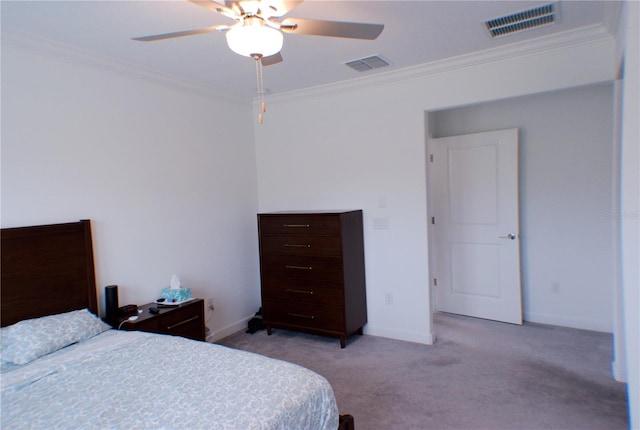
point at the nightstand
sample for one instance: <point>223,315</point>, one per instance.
<point>186,320</point>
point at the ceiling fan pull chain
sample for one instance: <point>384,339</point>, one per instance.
<point>259,77</point>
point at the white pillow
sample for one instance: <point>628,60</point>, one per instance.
<point>29,339</point>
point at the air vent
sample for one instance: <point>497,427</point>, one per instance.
<point>521,21</point>
<point>369,63</point>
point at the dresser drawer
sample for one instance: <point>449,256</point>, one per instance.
<point>304,315</point>
<point>295,290</point>
<point>300,225</point>
<point>321,268</point>
<point>301,245</point>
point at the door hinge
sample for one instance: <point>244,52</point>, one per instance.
<point>435,282</point>
<point>433,220</point>
<point>431,157</point>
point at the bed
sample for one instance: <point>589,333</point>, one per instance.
<point>62,367</point>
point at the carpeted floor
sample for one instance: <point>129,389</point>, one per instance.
<point>479,375</point>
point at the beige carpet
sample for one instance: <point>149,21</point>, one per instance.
<point>479,375</point>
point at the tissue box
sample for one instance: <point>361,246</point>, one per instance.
<point>174,295</point>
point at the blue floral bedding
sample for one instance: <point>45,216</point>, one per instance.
<point>127,380</point>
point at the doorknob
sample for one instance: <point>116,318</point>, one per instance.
<point>509,236</point>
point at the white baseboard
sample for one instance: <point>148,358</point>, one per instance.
<point>427,339</point>
<point>241,325</point>
<point>619,372</point>
<point>568,322</point>
<point>227,331</point>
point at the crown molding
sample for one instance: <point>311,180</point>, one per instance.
<point>84,58</point>
<point>586,35</point>
<point>70,54</point>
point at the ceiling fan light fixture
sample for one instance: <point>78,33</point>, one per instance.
<point>254,38</point>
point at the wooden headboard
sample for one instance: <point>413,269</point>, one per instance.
<point>46,270</point>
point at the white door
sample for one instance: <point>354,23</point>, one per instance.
<point>476,252</point>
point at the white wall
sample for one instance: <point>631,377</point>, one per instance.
<point>312,155</point>
<point>166,176</point>
<point>359,144</point>
<point>567,208</point>
<point>630,206</point>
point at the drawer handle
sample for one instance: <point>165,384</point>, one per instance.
<point>309,317</point>
<point>193,318</point>
<point>290,290</point>
<point>296,225</point>
<point>290,245</point>
<point>299,267</point>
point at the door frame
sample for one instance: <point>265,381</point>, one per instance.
<point>619,362</point>
<point>505,303</point>
<point>429,122</point>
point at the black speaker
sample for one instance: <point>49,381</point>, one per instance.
<point>111,302</point>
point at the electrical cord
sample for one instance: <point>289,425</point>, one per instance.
<point>209,315</point>
<point>131,318</point>
<point>211,308</point>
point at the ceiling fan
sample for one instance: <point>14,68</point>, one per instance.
<point>262,19</point>
<point>258,30</point>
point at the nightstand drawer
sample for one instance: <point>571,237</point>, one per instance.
<point>328,269</point>
<point>188,326</point>
<point>300,224</point>
<point>186,321</point>
<point>295,290</point>
<point>301,245</point>
<point>150,325</point>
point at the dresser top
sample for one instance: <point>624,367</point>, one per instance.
<point>311,212</point>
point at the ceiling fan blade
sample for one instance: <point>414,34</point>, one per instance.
<point>155,37</point>
<point>352,30</point>
<point>218,8</point>
<point>271,59</point>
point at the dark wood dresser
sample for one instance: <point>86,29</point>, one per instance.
<point>312,272</point>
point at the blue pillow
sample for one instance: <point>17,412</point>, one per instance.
<point>30,339</point>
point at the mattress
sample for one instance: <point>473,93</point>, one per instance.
<point>124,380</point>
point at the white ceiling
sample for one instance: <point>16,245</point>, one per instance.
<point>416,32</point>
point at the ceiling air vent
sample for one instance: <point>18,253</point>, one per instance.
<point>521,21</point>
<point>364,64</point>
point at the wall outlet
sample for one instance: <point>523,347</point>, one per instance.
<point>388,298</point>
<point>381,223</point>
<point>208,304</point>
